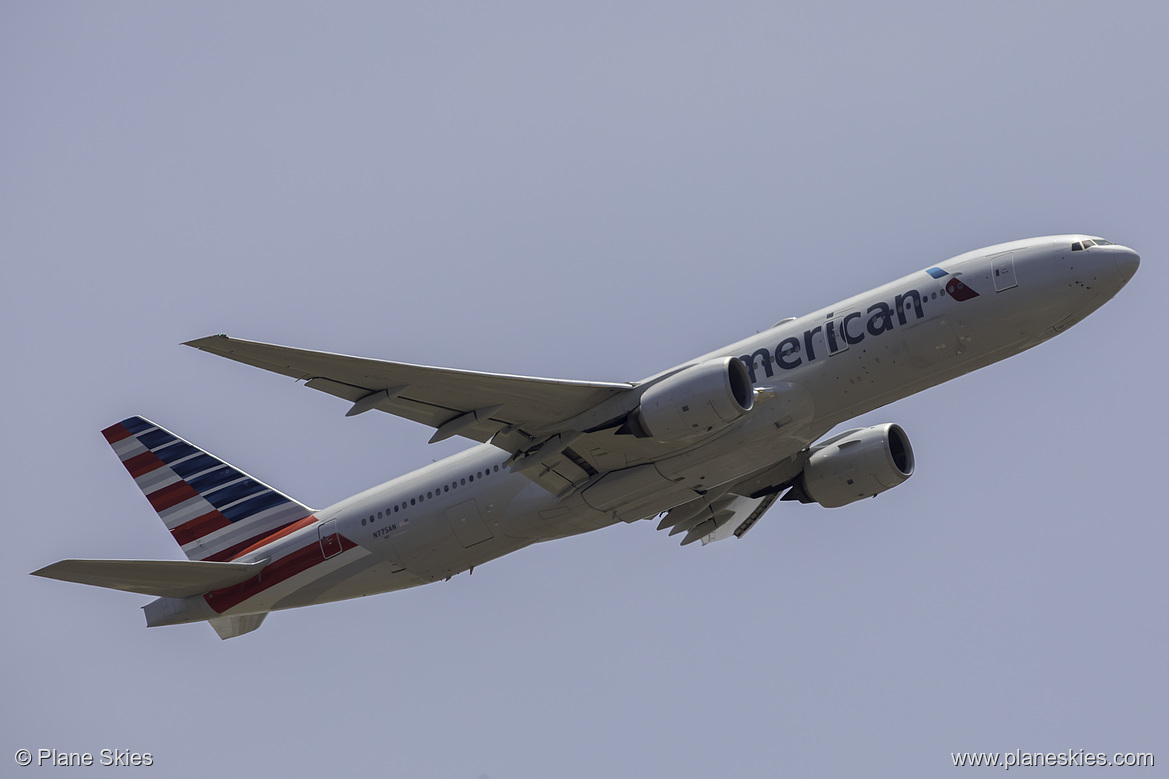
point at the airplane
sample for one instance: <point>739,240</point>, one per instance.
<point>708,446</point>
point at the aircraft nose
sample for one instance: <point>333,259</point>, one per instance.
<point>1127,262</point>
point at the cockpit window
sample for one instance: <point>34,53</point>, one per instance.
<point>1089,243</point>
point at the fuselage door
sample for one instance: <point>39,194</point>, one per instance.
<point>1003,270</point>
<point>844,330</point>
<point>330,541</point>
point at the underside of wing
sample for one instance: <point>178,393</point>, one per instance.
<point>454,402</point>
<point>714,520</point>
<point>733,509</point>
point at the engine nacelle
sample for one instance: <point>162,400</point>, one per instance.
<point>694,401</point>
<point>858,464</point>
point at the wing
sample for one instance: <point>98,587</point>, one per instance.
<point>560,433</point>
<point>454,402</point>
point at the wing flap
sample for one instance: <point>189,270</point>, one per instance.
<point>710,519</point>
<point>164,578</point>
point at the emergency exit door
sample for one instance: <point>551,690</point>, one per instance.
<point>1003,269</point>
<point>330,541</point>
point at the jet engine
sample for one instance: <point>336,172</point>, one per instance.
<point>860,463</point>
<point>696,400</point>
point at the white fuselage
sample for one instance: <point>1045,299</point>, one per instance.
<point>810,374</point>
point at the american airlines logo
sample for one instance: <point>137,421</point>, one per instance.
<point>849,329</point>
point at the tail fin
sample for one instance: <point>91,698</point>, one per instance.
<point>214,511</point>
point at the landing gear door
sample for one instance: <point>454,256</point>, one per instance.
<point>1003,269</point>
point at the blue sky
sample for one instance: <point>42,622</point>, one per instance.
<point>593,191</point>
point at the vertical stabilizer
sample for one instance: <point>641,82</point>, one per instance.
<point>214,511</point>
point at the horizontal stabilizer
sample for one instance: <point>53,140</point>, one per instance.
<point>165,578</point>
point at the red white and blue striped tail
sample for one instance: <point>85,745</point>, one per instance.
<point>214,511</point>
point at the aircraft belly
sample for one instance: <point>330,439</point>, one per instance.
<point>432,549</point>
<point>930,353</point>
<point>932,342</point>
<point>367,576</point>
<point>428,547</point>
<point>466,522</point>
<point>703,473</point>
<point>630,484</point>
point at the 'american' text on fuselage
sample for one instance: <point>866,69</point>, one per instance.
<point>840,332</point>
